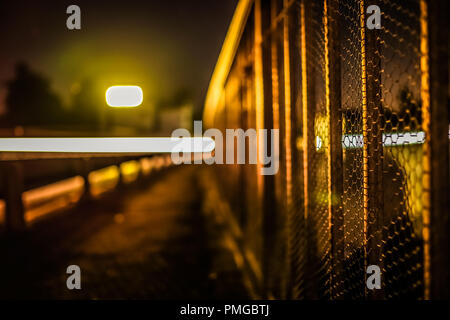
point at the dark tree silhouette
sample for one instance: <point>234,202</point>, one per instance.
<point>85,109</point>
<point>30,100</point>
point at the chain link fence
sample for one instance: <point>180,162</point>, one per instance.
<point>359,126</point>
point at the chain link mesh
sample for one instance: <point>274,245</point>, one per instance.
<point>315,243</point>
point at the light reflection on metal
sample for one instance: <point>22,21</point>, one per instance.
<point>147,165</point>
<point>47,199</point>
<point>287,109</point>
<point>365,121</point>
<point>288,133</point>
<point>275,92</point>
<point>305,113</point>
<point>2,211</point>
<point>56,196</point>
<point>225,60</point>
<point>355,141</point>
<point>129,171</point>
<point>259,91</point>
<point>426,125</point>
<point>103,180</point>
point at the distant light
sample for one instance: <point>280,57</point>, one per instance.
<point>395,139</point>
<point>124,96</point>
<point>353,141</point>
<point>129,170</point>
<point>318,143</point>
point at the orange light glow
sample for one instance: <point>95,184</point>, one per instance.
<point>103,180</point>
<point>50,198</point>
<point>2,212</point>
<point>146,165</point>
<point>129,171</point>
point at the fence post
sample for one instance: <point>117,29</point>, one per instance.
<point>288,146</point>
<point>434,96</point>
<point>278,282</point>
<point>308,143</point>
<point>335,160</point>
<point>372,149</point>
<point>264,120</point>
<point>121,182</point>
<point>84,169</point>
<point>15,212</point>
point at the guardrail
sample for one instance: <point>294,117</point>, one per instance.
<point>34,184</point>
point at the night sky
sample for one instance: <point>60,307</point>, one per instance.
<point>161,45</point>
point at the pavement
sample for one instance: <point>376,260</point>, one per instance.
<point>150,240</point>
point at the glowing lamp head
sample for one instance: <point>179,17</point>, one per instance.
<point>124,96</point>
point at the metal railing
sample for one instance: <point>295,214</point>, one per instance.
<point>364,146</point>
<point>34,184</point>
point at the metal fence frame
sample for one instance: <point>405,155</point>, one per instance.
<point>283,83</point>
